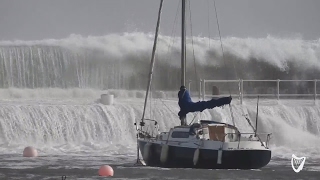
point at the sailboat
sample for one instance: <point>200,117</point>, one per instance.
<point>206,144</point>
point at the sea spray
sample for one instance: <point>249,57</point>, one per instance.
<point>121,61</point>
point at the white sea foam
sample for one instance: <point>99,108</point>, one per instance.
<point>81,126</point>
<point>121,61</point>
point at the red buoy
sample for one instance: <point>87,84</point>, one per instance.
<point>105,170</point>
<point>30,152</point>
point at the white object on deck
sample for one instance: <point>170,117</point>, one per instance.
<point>107,99</point>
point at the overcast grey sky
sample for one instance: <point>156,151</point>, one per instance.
<point>41,19</point>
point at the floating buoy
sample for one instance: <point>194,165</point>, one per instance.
<point>196,156</point>
<point>146,151</point>
<point>107,99</point>
<point>164,153</point>
<point>105,170</point>
<point>30,152</point>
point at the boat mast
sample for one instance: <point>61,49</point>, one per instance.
<point>183,44</point>
<point>142,123</point>
<point>151,64</point>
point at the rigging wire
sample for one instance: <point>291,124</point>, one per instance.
<point>150,77</point>
<point>167,107</point>
<point>208,21</point>
<point>214,2</point>
<point>152,63</point>
<point>173,29</point>
<point>234,68</point>
<point>171,44</point>
<point>192,42</point>
<point>194,59</point>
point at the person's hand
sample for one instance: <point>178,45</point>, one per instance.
<point>224,101</point>
<point>229,100</point>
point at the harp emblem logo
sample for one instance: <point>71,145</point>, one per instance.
<point>297,163</point>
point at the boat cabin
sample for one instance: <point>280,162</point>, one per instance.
<point>208,130</point>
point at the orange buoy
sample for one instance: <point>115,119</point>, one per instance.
<point>30,152</point>
<point>105,170</point>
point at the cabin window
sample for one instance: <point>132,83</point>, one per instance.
<point>180,134</point>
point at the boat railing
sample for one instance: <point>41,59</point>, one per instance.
<point>252,137</point>
<point>275,88</point>
<point>150,130</point>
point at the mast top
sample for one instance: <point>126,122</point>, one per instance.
<point>183,44</point>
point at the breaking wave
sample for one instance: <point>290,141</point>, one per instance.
<point>121,61</point>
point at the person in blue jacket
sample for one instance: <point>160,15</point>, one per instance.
<point>186,104</point>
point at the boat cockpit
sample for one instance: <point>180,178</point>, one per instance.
<point>206,130</point>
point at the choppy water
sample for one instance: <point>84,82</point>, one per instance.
<point>86,167</point>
